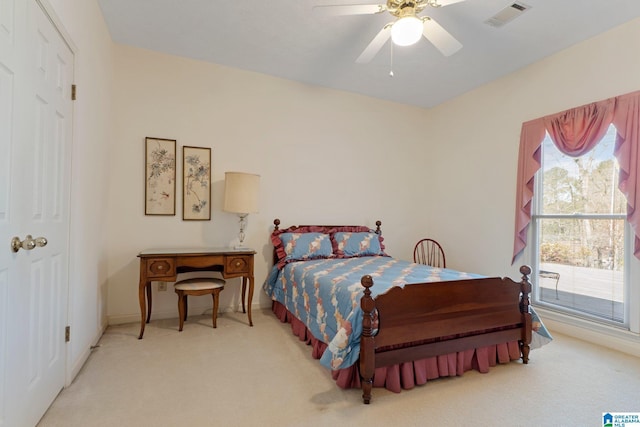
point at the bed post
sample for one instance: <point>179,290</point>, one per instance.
<point>276,225</point>
<point>367,362</point>
<point>378,230</point>
<point>525,289</point>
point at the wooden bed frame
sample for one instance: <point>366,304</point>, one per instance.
<point>431,319</point>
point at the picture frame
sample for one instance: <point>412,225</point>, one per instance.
<point>160,176</point>
<point>196,183</point>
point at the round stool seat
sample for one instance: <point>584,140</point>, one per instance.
<point>199,283</point>
<point>198,286</point>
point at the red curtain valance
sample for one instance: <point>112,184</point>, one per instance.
<point>575,132</point>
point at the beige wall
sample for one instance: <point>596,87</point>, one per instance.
<point>365,159</point>
<point>477,136</point>
<point>479,133</point>
<point>334,157</point>
<point>324,157</point>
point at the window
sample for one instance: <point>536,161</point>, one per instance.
<point>573,213</point>
<point>580,233</point>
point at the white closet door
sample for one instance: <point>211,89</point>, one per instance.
<point>36,72</point>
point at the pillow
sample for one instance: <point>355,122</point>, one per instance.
<point>280,254</point>
<point>304,246</point>
<point>348,244</point>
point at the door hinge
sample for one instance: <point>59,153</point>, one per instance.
<point>67,333</point>
<point>73,92</point>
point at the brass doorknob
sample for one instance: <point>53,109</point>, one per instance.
<point>28,243</point>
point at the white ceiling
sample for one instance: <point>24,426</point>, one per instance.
<point>285,38</point>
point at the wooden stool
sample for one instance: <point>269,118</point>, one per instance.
<point>196,287</point>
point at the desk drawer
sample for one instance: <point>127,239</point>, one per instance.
<point>161,267</point>
<point>238,264</point>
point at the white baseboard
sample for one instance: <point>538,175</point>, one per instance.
<point>120,319</point>
<point>595,333</point>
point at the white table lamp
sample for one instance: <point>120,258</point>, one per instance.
<point>241,197</point>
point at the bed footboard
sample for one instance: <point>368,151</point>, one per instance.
<point>430,319</point>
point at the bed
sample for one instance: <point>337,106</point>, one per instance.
<point>378,321</point>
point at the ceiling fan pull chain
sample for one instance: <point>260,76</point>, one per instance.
<point>391,61</point>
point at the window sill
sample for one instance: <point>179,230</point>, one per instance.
<point>593,332</point>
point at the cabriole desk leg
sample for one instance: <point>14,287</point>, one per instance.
<point>149,300</point>
<point>250,299</point>
<point>244,292</point>
<point>142,287</point>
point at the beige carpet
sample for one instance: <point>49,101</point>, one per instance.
<point>263,376</point>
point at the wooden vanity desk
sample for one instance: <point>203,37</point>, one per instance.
<point>165,264</point>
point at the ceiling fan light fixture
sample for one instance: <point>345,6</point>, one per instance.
<point>406,30</point>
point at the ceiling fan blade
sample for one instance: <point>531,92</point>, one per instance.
<point>376,44</point>
<point>440,37</point>
<point>446,2</point>
<point>349,9</point>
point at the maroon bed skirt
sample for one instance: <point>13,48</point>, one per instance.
<point>406,375</point>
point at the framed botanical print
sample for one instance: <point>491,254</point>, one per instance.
<point>196,192</point>
<point>160,176</point>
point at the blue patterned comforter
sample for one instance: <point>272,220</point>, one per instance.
<point>325,295</point>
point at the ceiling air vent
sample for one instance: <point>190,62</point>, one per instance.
<point>507,14</point>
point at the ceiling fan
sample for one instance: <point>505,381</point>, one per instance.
<point>405,30</point>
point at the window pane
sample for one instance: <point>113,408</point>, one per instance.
<point>588,184</point>
<point>581,265</point>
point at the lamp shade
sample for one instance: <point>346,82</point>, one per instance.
<point>241,192</point>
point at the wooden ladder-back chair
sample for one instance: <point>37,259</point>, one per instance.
<point>429,252</point>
